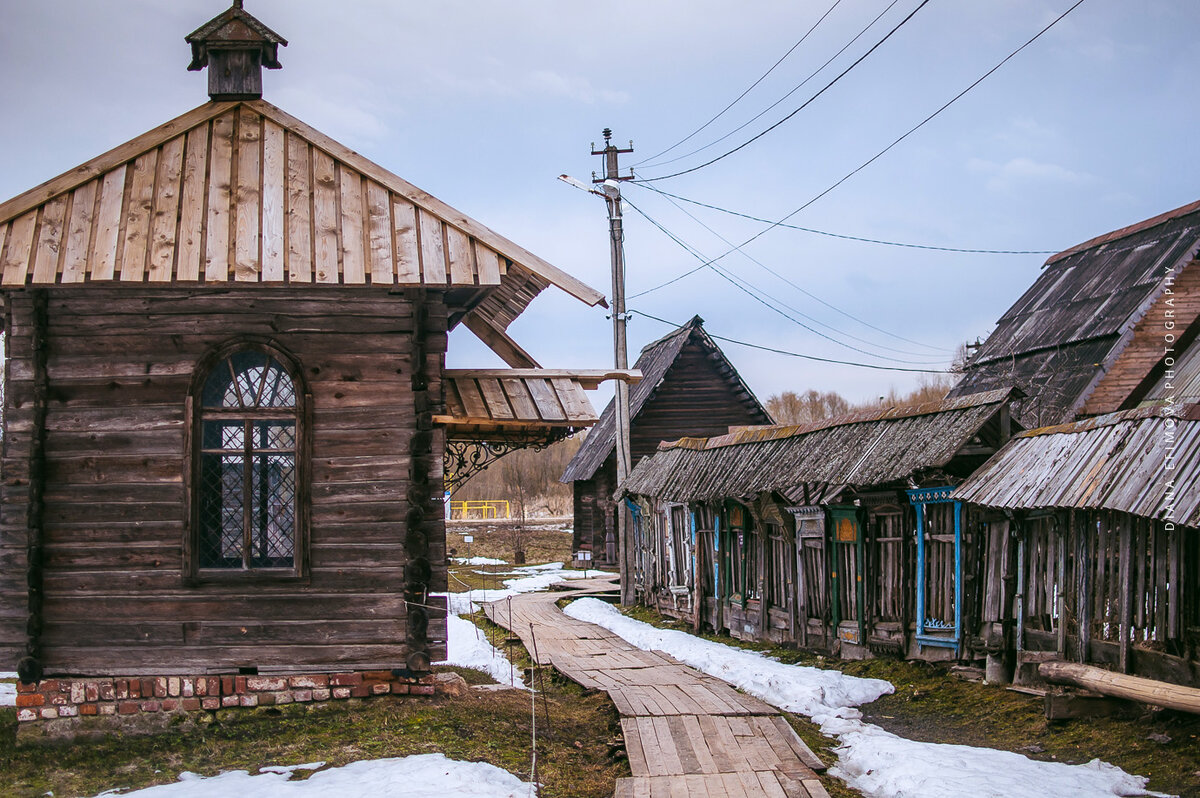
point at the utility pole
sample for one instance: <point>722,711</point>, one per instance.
<point>610,185</point>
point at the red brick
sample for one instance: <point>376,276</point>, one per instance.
<point>30,699</point>
<point>341,692</point>
<point>248,700</point>
<point>48,686</point>
<point>214,685</point>
<point>210,703</point>
<point>265,684</point>
<point>121,689</point>
<point>49,713</point>
<point>377,676</point>
<point>380,688</point>
<point>106,691</point>
<point>173,687</point>
<point>426,679</point>
<point>321,694</point>
<point>91,692</point>
<point>265,699</point>
<point>360,691</point>
<point>422,689</point>
<point>187,687</point>
<point>78,693</point>
<point>239,684</point>
<point>89,709</point>
<point>148,688</point>
<point>58,699</point>
<point>127,707</point>
<point>170,704</point>
<point>25,715</point>
<point>309,681</point>
<point>283,697</point>
<point>107,709</point>
<point>69,711</point>
<point>345,679</point>
<point>302,695</point>
<point>400,688</point>
<point>26,687</point>
<point>191,704</point>
<point>135,688</point>
<point>227,685</point>
<point>150,706</point>
<point>229,701</point>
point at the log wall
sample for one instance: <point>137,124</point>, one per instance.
<point>120,364</point>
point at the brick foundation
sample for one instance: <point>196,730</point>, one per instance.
<point>52,699</point>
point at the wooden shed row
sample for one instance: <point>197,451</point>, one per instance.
<point>840,536</point>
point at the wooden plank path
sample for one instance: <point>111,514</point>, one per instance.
<point>687,734</point>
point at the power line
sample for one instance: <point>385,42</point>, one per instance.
<point>806,103</point>
<point>873,158</point>
<point>856,238</point>
<point>748,90</point>
<point>742,286</point>
<point>797,354</point>
<point>808,293</point>
<point>793,90</point>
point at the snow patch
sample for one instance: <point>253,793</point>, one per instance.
<point>468,647</point>
<point>409,777</point>
<point>8,694</point>
<point>479,561</point>
<point>876,762</point>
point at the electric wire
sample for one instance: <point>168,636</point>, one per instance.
<point>778,102</point>
<point>872,159</point>
<point>742,286</point>
<point>794,354</point>
<point>804,105</point>
<point>806,292</point>
<point>965,250</point>
<point>748,90</point>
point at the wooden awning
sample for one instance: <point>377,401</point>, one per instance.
<point>483,404</point>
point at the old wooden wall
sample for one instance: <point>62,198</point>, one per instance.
<point>119,365</point>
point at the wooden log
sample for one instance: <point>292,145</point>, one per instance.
<point>1119,685</point>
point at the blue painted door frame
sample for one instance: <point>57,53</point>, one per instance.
<point>939,637</point>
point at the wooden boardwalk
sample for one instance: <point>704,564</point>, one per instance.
<point>687,734</point>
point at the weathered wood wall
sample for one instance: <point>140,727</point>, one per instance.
<point>120,363</point>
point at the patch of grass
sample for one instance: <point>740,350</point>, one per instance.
<point>543,543</point>
<point>575,758</point>
<point>931,705</point>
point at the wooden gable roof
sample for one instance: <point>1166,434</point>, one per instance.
<point>1071,326</point>
<point>241,192</point>
<point>654,362</point>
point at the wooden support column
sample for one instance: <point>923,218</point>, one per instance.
<point>1126,571</point>
<point>29,669</point>
<point>418,572</point>
<point>1083,568</point>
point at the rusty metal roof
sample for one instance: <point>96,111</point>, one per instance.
<point>857,450</point>
<point>1144,461</point>
<point>1055,342</point>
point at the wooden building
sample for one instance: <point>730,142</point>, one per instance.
<point>227,408</point>
<point>1091,335</point>
<point>839,536</point>
<point>688,388</point>
<point>1103,563</point>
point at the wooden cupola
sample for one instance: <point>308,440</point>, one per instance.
<point>235,47</point>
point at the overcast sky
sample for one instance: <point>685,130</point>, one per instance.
<point>483,104</point>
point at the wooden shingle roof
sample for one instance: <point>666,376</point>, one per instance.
<point>241,192</point>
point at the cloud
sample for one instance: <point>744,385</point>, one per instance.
<point>1023,173</point>
<point>530,84</point>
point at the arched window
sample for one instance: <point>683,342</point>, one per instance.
<point>248,417</point>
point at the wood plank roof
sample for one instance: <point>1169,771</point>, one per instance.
<point>495,402</point>
<point>1144,461</point>
<point>857,450</point>
<point>654,362</point>
<point>1067,330</point>
<point>241,192</point>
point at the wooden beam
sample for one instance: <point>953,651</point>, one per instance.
<point>499,342</point>
<point>589,379</point>
<point>1119,685</point>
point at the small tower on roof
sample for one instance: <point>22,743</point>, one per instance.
<point>235,47</point>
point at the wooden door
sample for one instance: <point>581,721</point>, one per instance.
<point>846,573</point>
